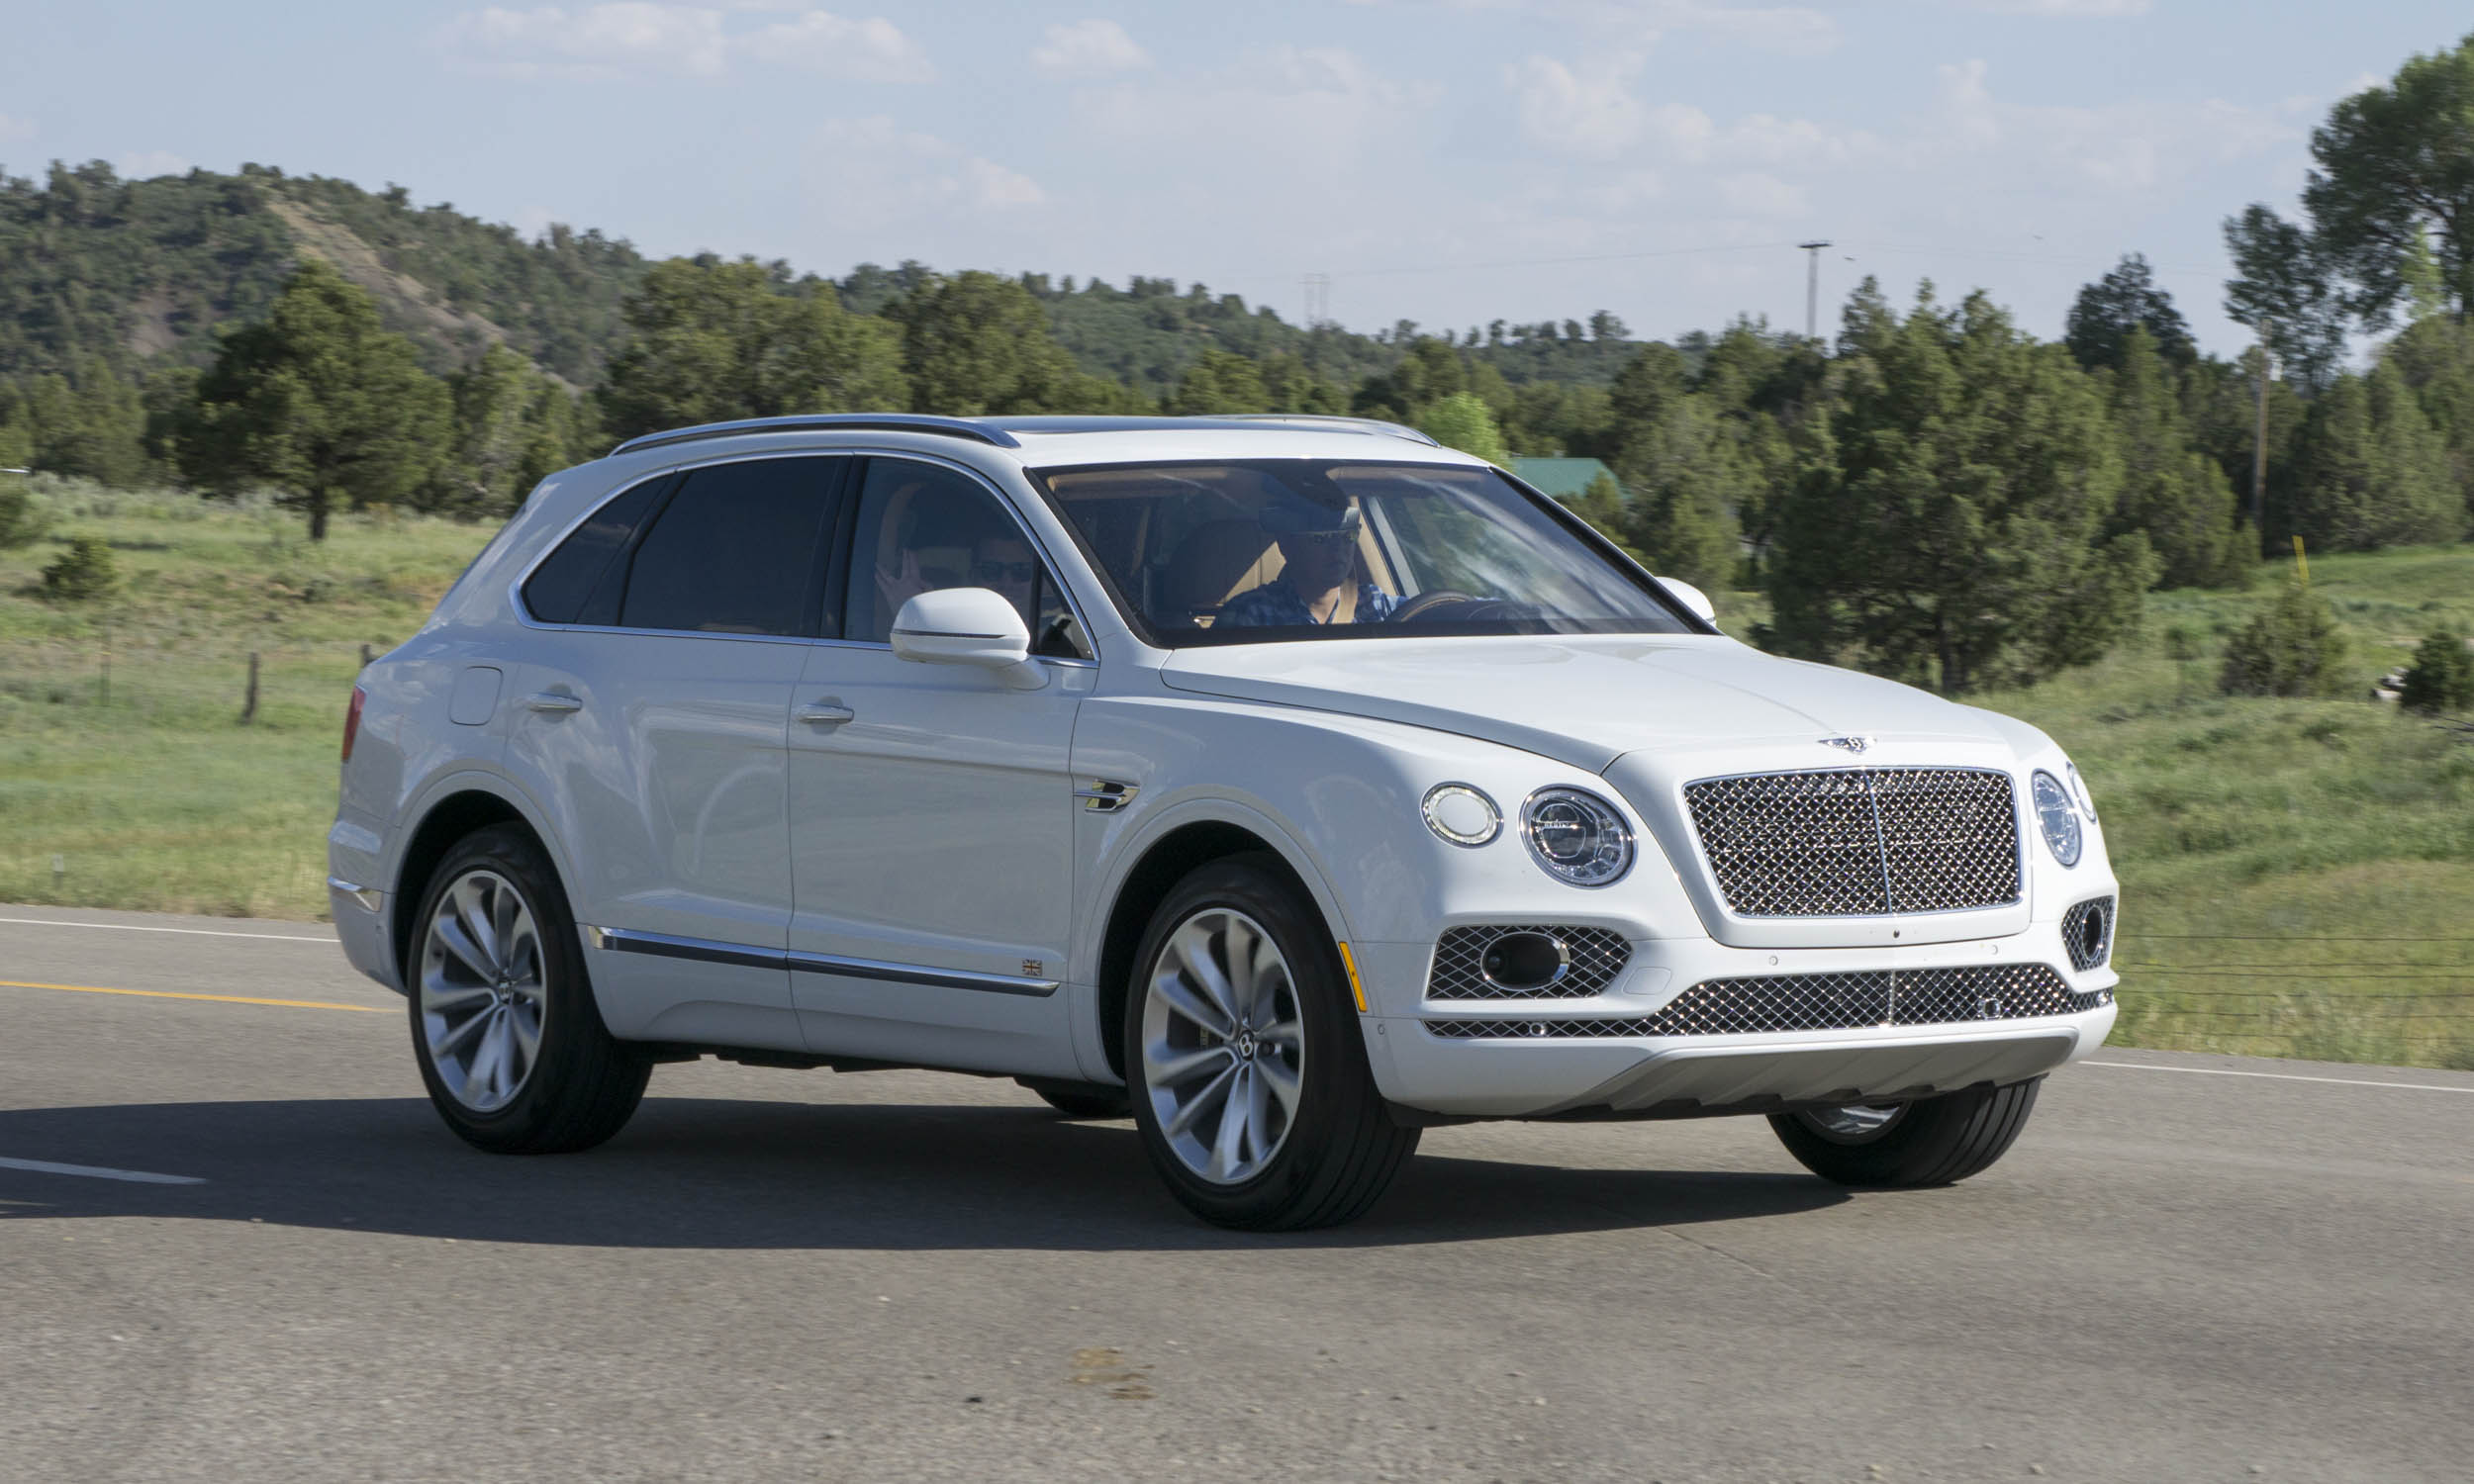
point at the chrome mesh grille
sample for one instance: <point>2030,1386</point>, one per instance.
<point>1818,1002</point>
<point>2075,936</point>
<point>1849,842</point>
<point>1597,956</point>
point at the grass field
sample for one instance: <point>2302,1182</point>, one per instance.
<point>2299,876</point>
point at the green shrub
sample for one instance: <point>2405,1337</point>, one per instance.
<point>2293,647</point>
<point>2442,676</point>
<point>21,520</point>
<point>83,573</point>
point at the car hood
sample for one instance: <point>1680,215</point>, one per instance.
<point>1585,701</point>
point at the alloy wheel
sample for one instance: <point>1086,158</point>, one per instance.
<point>1857,1123</point>
<point>483,999</point>
<point>1223,1046</point>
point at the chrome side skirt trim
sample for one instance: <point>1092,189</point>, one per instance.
<point>695,950</point>
<point>912,974</point>
<point>704,951</point>
<point>370,899</point>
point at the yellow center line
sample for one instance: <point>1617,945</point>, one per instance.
<point>225,999</point>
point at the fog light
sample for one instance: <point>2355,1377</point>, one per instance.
<point>1525,962</point>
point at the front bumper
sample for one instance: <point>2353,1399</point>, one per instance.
<point>1681,1076</point>
<point>1612,1053</point>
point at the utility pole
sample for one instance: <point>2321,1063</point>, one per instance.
<point>1812,287</point>
<point>2260,445</point>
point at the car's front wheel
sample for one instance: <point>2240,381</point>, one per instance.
<point>1250,1082</point>
<point>1933,1140</point>
<point>509,1042</point>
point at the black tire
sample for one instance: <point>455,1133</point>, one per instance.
<point>1339,1148</point>
<point>582,1084</point>
<point>1081,1099</point>
<point>1935,1141</point>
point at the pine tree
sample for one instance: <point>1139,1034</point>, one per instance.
<point>976,344</point>
<point>711,341</point>
<point>1952,536</point>
<point>2370,471</point>
<point>2442,677</point>
<point>319,399</point>
<point>2171,493</point>
<point>2127,301</point>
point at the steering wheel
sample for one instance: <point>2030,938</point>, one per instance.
<point>1425,604</point>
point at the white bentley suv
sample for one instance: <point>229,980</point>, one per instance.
<point>1289,783</point>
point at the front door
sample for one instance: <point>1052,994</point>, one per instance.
<point>932,805</point>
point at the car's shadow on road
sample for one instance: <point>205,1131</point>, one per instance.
<point>704,1172</point>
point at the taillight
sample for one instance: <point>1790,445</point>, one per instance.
<point>352,721</point>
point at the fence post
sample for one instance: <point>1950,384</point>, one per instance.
<point>365,657</point>
<point>249,704</point>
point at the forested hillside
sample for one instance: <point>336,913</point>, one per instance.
<point>135,274</point>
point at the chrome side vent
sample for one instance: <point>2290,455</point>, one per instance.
<point>1103,795</point>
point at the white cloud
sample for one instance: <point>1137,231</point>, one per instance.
<point>14,130</point>
<point>1087,49</point>
<point>1969,103</point>
<point>1306,114</point>
<point>870,173</point>
<point>1795,29</point>
<point>870,50</point>
<point>624,39</point>
<point>2120,147</point>
<point>145,164</point>
<point>1589,110</point>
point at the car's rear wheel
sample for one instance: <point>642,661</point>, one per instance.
<point>1933,1140</point>
<point>510,1043</point>
<point>1249,1078</point>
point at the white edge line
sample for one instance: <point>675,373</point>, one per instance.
<point>130,927</point>
<point>99,1172</point>
<point>2278,1076</point>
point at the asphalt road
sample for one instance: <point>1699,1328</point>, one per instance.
<point>2177,1275</point>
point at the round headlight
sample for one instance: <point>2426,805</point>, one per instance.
<point>2078,789</point>
<point>2058,815</point>
<point>1462,814</point>
<point>1577,837</point>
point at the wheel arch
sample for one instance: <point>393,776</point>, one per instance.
<point>1177,850</point>
<point>464,808</point>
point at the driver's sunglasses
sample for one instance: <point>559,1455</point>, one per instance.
<point>1328,540</point>
<point>997,572</point>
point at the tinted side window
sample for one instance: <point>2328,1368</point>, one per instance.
<point>921,528</point>
<point>735,551</point>
<point>558,589</point>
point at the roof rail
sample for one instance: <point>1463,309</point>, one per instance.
<point>920,422</point>
<point>1331,420</point>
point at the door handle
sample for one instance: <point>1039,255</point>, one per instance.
<point>554,701</point>
<point>826,713</point>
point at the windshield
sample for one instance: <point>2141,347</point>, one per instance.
<point>1289,549</point>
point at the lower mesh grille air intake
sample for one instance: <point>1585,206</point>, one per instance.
<point>1818,1002</point>
<point>2087,931</point>
<point>1593,957</point>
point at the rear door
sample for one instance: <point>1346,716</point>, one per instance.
<point>653,721</point>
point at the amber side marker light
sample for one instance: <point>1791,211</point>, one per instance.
<point>1349,960</point>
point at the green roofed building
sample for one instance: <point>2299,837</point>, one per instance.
<point>1565,478</point>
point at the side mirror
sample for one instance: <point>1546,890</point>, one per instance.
<point>973,626</point>
<point>1692,597</point>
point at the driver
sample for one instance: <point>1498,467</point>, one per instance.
<point>1318,582</point>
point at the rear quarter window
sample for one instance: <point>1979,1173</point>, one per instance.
<point>569,586</point>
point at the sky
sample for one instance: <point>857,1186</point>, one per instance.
<point>1443,161</point>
